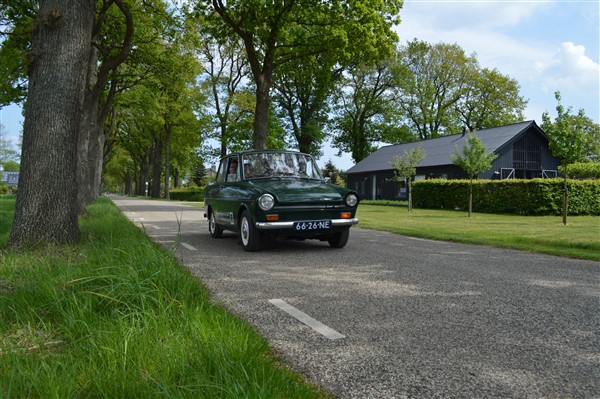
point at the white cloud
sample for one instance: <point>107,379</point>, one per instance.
<point>571,69</point>
<point>475,15</point>
<point>541,44</point>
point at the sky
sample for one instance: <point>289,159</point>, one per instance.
<point>545,45</point>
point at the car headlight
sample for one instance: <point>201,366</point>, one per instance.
<point>351,199</point>
<point>266,202</point>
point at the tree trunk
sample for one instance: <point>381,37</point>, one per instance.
<point>46,207</point>
<point>156,168</point>
<point>565,201</point>
<point>261,113</point>
<point>88,125</point>
<point>470,196</point>
<point>168,129</point>
<point>409,189</point>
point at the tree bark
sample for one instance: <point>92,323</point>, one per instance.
<point>261,112</point>
<point>96,109</point>
<point>168,129</point>
<point>565,201</point>
<point>46,207</point>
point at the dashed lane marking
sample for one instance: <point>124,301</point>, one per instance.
<point>306,319</point>
<point>188,246</point>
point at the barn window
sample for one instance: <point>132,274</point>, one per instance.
<point>527,154</point>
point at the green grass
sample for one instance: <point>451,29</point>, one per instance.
<point>580,238</point>
<point>115,316</point>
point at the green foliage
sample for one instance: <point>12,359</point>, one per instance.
<point>187,194</point>
<point>276,33</point>
<point>10,166</point>
<point>384,202</point>
<point>443,89</point>
<point>472,158</point>
<point>15,34</point>
<point>302,92</point>
<point>512,196</point>
<point>492,99</point>
<point>405,166</point>
<point>582,170</point>
<point>566,135</point>
<point>8,155</point>
<point>364,109</point>
<point>336,175</point>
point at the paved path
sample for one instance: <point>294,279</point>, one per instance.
<point>391,316</point>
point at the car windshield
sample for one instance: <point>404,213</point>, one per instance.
<point>279,164</point>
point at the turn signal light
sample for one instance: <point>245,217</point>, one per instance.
<point>272,218</point>
<point>346,215</point>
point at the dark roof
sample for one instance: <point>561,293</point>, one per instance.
<point>439,149</point>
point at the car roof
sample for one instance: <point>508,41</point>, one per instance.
<point>263,151</point>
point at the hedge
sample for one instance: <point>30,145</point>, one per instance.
<point>513,196</point>
<point>187,194</point>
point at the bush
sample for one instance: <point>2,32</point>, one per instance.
<point>384,202</point>
<point>519,197</point>
<point>584,170</point>
<point>187,194</point>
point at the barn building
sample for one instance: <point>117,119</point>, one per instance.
<point>521,148</point>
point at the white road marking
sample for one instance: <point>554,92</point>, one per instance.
<point>156,227</point>
<point>188,246</point>
<point>306,319</point>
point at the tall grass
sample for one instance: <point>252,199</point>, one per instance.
<point>115,316</point>
<point>544,234</point>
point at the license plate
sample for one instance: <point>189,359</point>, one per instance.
<point>313,225</point>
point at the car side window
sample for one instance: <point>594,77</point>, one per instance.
<point>233,170</point>
<point>222,173</point>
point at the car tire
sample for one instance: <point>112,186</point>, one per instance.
<point>249,234</point>
<point>213,227</point>
<point>339,239</point>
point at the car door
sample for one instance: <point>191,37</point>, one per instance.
<point>226,197</point>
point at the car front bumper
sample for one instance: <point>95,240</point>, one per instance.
<point>289,225</point>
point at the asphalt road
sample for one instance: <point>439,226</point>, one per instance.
<point>414,318</point>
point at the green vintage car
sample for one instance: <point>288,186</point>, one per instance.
<point>277,194</point>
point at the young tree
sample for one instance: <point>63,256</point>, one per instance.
<point>473,160</point>
<point>567,141</point>
<point>7,152</point>
<point>405,167</point>
<point>46,207</point>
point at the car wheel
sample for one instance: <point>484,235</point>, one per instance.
<point>339,239</point>
<point>213,228</point>
<point>249,235</point>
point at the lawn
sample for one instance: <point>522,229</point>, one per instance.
<point>580,238</point>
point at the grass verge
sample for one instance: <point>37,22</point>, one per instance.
<point>580,238</point>
<point>115,316</point>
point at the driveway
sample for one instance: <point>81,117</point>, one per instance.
<point>390,316</point>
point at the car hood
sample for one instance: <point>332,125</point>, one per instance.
<point>298,190</point>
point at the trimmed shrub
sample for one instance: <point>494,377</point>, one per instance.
<point>584,170</point>
<point>187,194</point>
<point>513,196</point>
